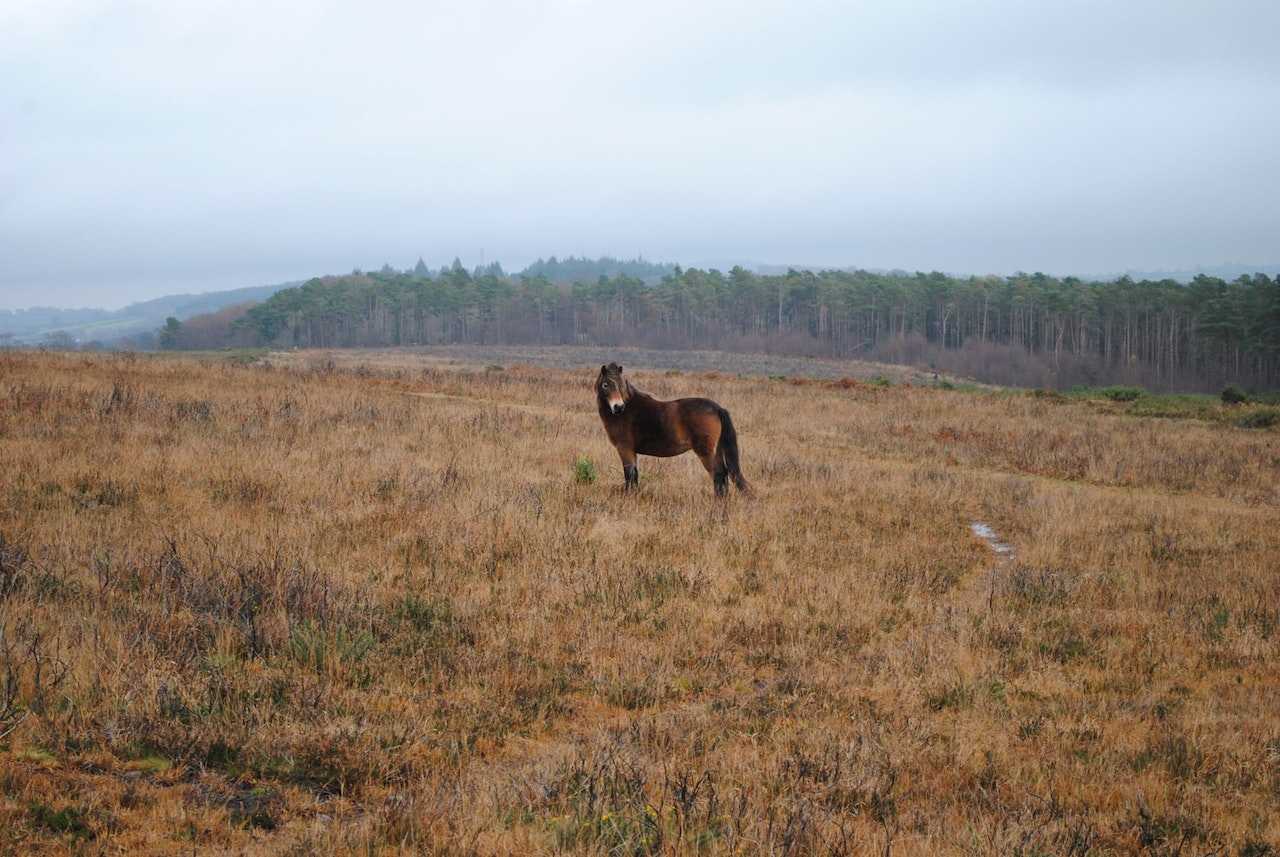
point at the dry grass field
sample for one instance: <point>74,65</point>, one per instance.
<point>580,357</point>
<point>325,607</point>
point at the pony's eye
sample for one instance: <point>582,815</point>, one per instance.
<point>604,388</point>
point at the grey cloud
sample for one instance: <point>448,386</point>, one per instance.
<point>150,147</point>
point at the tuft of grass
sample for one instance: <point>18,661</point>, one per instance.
<point>634,833</point>
<point>38,755</point>
<point>150,764</point>
<point>1037,587</point>
<point>584,471</point>
<point>1256,848</point>
<point>1064,645</point>
<point>317,648</point>
<point>69,821</point>
<point>951,695</point>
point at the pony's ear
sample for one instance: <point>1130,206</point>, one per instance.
<point>604,370</point>
<point>619,368</point>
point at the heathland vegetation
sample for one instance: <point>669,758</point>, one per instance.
<point>353,603</point>
<point>1029,330</point>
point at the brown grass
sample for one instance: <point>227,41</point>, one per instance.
<point>341,610</point>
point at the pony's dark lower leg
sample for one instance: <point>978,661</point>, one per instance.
<point>716,467</point>
<point>631,475</point>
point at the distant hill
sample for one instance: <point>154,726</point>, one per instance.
<point>27,326</point>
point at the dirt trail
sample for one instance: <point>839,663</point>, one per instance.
<point>978,591</point>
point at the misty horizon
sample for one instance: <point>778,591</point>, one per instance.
<point>115,304</point>
<point>148,150</point>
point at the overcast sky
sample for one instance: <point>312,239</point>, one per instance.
<point>157,146</point>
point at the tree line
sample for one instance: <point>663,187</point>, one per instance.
<point>1029,329</point>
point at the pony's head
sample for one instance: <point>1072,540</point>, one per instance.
<point>612,390</point>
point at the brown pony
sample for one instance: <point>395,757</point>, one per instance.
<point>637,423</point>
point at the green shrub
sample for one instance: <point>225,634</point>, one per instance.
<point>1122,394</point>
<point>1259,419</point>
<point>881,381</point>
<point>584,470</point>
<point>1233,395</point>
<point>1256,848</point>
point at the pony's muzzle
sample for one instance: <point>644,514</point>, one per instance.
<point>617,407</point>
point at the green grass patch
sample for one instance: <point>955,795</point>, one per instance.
<point>150,764</point>
<point>1192,406</point>
<point>959,386</point>
<point>316,647</point>
<point>235,356</point>
<point>68,821</point>
<point>1046,395</point>
<point>243,356</point>
<point>584,471</point>
<point>1111,394</point>
<point>630,831</point>
<point>1251,413</point>
<point>35,754</point>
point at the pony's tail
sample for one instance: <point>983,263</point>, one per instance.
<point>727,452</point>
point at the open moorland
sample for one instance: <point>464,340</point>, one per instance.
<point>391,603</point>
<point>584,357</point>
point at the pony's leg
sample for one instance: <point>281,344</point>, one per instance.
<point>630,473</point>
<point>719,473</point>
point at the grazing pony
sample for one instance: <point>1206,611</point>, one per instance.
<point>639,424</point>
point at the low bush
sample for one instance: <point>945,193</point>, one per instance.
<point>1233,395</point>
<point>1121,394</point>
<point>1260,419</point>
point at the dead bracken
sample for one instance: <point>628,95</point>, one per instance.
<point>367,603</point>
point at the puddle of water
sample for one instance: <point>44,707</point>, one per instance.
<point>988,535</point>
